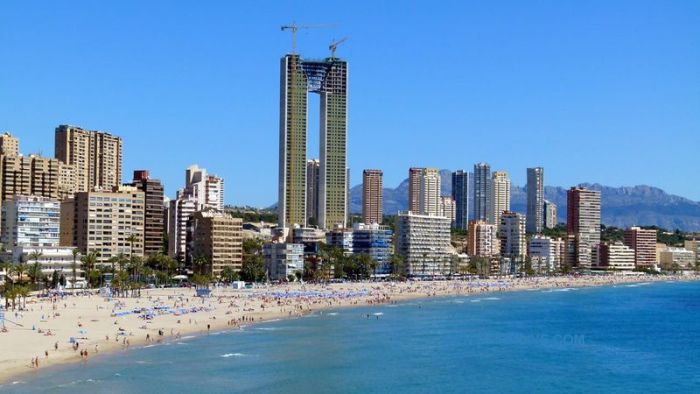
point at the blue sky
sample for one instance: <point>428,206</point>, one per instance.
<point>594,91</point>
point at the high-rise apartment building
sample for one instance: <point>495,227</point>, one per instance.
<point>217,237</point>
<point>500,196</point>
<point>430,192</point>
<point>546,254</point>
<point>643,242</point>
<point>415,177</point>
<point>95,156</point>
<point>205,189</point>
<point>9,145</point>
<point>105,221</point>
<point>153,213</point>
<point>313,178</point>
<point>550,214</point>
<point>67,182</point>
<point>283,260</point>
<point>482,191</point>
<point>374,241</point>
<point>512,235</point>
<point>372,196</point>
<point>328,78</point>
<point>424,243</point>
<point>181,209</point>
<point>29,175</point>
<point>583,224</point>
<point>482,239</point>
<point>30,221</point>
<point>535,217</point>
<point>460,195</point>
<point>448,209</point>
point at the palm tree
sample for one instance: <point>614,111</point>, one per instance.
<point>35,273</point>
<point>131,239</point>
<point>20,269</point>
<point>200,263</point>
<point>136,267</point>
<point>89,260</point>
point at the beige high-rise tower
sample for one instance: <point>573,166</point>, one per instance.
<point>500,196</point>
<point>9,145</point>
<point>95,156</point>
<point>328,78</point>
<point>372,196</point>
<point>29,175</point>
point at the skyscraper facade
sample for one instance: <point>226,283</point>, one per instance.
<point>153,223</point>
<point>550,214</point>
<point>460,195</point>
<point>328,78</point>
<point>499,196</point>
<point>313,168</point>
<point>535,200</point>
<point>643,242</point>
<point>448,209</point>
<point>30,221</point>
<point>512,234</point>
<point>217,237</point>
<point>104,222</point>
<point>372,196</point>
<point>415,176</point>
<point>96,157</point>
<point>207,190</point>
<point>430,192</point>
<point>29,175</point>
<point>424,243</point>
<point>583,224</point>
<point>9,145</point>
<point>482,239</point>
<point>482,191</point>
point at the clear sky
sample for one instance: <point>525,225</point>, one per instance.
<point>594,91</point>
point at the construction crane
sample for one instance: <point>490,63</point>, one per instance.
<point>334,46</point>
<point>294,28</point>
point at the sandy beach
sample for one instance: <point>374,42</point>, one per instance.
<point>78,328</point>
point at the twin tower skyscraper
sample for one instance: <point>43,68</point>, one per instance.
<point>329,78</point>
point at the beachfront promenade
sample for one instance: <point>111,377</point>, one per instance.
<point>79,328</point>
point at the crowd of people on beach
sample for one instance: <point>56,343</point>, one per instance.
<point>177,310</point>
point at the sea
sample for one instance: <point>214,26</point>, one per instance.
<point>628,338</point>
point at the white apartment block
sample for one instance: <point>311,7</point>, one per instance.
<point>283,259</point>
<point>206,190</point>
<point>616,256</point>
<point>546,253</point>
<point>181,210</point>
<point>448,208</point>
<point>30,221</point>
<point>59,258</point>
<point>424,243</point>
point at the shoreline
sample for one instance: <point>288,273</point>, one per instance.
<point>259,306</point>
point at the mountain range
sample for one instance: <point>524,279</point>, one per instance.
<point>621,206</point>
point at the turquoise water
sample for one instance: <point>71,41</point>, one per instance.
<point>610,339</point>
